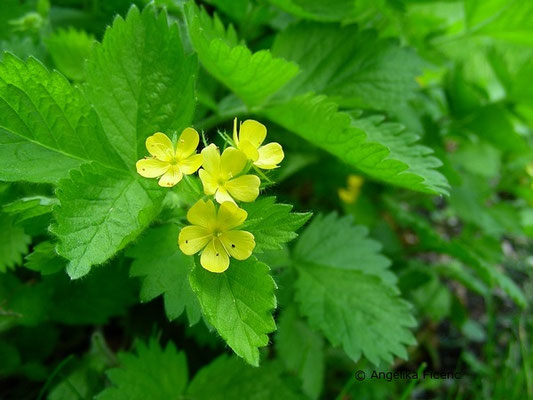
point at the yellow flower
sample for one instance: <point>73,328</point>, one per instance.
<point>249,139</point>
<point>168,162</point>
<point>215,235</point>
<point>218,174</point>
<point>351,193</point>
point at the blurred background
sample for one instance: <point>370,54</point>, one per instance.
<point>463,260</point>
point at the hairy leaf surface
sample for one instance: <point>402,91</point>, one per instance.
<point>354,308</point>
<point>101,212</point>
<point>239,304</point>
<point>152,372</point>
<point>272,224</point>
<point>252,76</point>
<point>141,81</point>
<point>384,151</point>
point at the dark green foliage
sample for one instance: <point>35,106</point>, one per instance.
<point>395,236</point>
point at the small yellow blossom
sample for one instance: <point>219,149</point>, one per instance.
<point>168,162</point>
<point>214,234</point>
<point>351,193</point>
<point>249,139</point>
<point>219,175</point>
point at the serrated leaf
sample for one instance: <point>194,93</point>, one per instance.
<point>152,372</point>
<point>354,68</point>
<point>272,224</point>
<point>332,240</point>
<point>239,304</point>
<point>101,212</point>
<point>69,48</point>
<point>141,82</point>
<point>302,351</point>
<point>384,151</point>
<point>45,259</point>
<point>251,76</point>
<point>13,243</point>
<point>352,307</point>
<point>46,126</point>
<point>228,378</point>
<point>164,270</point>
<point>33,213</point>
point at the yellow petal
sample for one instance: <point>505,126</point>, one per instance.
<point>187,143</point>
<point>151,168</point>
<point>244,188</point>
<point>270,156</point>
<point>239,244</point>
<point>160,146</point>
<point>203,213</point>
<point>191,164</point>
<point>210,184</point>
<point>253,131</point>
<point>249,150</point>
<point>214,257</point>
<point>193,238</point>
<point>222,195</point>
<point>230,216</point>
<point>211,160</point>
<point>232,162</point>
<point>171,177</point>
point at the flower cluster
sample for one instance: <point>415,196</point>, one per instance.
<point>226,179</point>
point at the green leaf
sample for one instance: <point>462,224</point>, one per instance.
<point>105,293</point>
<point>272,224</point>
<point>164,270</point>
<point>352,307</point>
<point>251,76</point>
<point>45,259</point>
<point>150,373</point>
<point>69,48</point>
<point>141,82</point>
<point>46,126</point>
<point>33,213</point>
<point>13,243</point>
<point>354,68</point>
<point>228,378</point>
<point>330,241</point>
<point>239,304</point>
<point>27,208</point>
<point>23,303</point>
<point>506,20</point>
<point>384,151</point>
<point>432,240</point>
<point>318,10</point>
<point>86,376</point>
<point>302,351</point>
<point>101,212</point>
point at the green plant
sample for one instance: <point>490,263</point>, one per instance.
<point>383,225</point>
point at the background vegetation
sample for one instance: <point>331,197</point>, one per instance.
<point>407,128</point>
